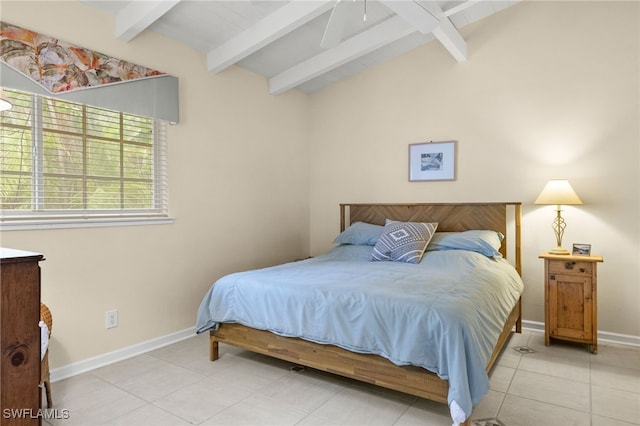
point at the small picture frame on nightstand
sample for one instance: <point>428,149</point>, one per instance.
<point>581,249</point>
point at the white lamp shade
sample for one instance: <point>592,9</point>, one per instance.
<point>558,191</point>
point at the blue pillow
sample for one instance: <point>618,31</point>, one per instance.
<point>360,234</point>
<point>481,241</point>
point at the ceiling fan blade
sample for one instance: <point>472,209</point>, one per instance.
<point>335,27</point>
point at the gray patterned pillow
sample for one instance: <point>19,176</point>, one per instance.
<point>403,241</point>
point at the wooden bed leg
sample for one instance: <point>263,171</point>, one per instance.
<point>519,320</point>
<point>213,349</point>
<point>466,422</point>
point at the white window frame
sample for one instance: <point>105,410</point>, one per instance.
<point>38,218</point>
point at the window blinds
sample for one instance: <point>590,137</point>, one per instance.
<point>60,159</point>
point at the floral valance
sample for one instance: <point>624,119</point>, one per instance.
<point>61,68</point>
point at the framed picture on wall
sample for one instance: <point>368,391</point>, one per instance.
<point>432,161</point>
<point>582,249</point>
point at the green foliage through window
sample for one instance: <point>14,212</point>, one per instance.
<point>68,159</point>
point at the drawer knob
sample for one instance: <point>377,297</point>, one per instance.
<point>569,265</point>
<point>581,269</point>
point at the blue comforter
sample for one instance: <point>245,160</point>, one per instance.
<point>443,314</point>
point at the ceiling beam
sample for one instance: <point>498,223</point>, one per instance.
<point>367,41</point>
<point>139,15</point>
<point>414,14</point>
<point>335,27</point>
<point>284,20</point>
<point>462,6</point>
<point>446,32</point>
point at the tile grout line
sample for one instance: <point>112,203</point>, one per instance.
<point>515,371</point>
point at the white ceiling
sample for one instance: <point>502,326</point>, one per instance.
<point>283,40</point>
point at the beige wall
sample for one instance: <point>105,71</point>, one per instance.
<point>238,171</point>
<point>550,91</point>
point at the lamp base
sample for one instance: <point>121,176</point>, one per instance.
<point>560,251</point>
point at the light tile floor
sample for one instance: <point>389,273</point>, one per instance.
<point>562,384</point>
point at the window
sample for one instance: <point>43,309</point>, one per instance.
<point>66,161</point>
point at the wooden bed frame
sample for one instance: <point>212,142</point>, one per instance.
<point>372,368</point>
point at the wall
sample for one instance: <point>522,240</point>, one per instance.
<point>550,90</point>
<point>238,172</point>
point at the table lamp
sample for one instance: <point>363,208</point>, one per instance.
<point>558,192</point>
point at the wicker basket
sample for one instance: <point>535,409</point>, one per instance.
<point>45,316</point>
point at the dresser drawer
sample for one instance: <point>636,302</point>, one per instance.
<point>570,267</point>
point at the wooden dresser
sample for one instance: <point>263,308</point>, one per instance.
<point>19,337</point>
<point>571,303</point>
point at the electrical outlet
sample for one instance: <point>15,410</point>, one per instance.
<point>112,318</point>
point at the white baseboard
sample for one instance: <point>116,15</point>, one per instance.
<point>605,336</point>
<point>89,364</point>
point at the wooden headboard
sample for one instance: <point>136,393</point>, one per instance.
<point>451,217</point>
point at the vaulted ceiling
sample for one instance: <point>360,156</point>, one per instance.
<point>303,44</point>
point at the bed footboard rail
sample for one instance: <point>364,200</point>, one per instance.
<point>366,368</point>
<point>332,359</point>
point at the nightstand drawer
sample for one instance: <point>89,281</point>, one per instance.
<point>570,267</point>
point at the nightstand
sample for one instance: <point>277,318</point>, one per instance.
<point>570,302</point>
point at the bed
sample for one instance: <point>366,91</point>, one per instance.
<point>443,353</point>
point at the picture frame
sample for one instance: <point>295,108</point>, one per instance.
<point>432,161</point>
<point>580,249</point>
